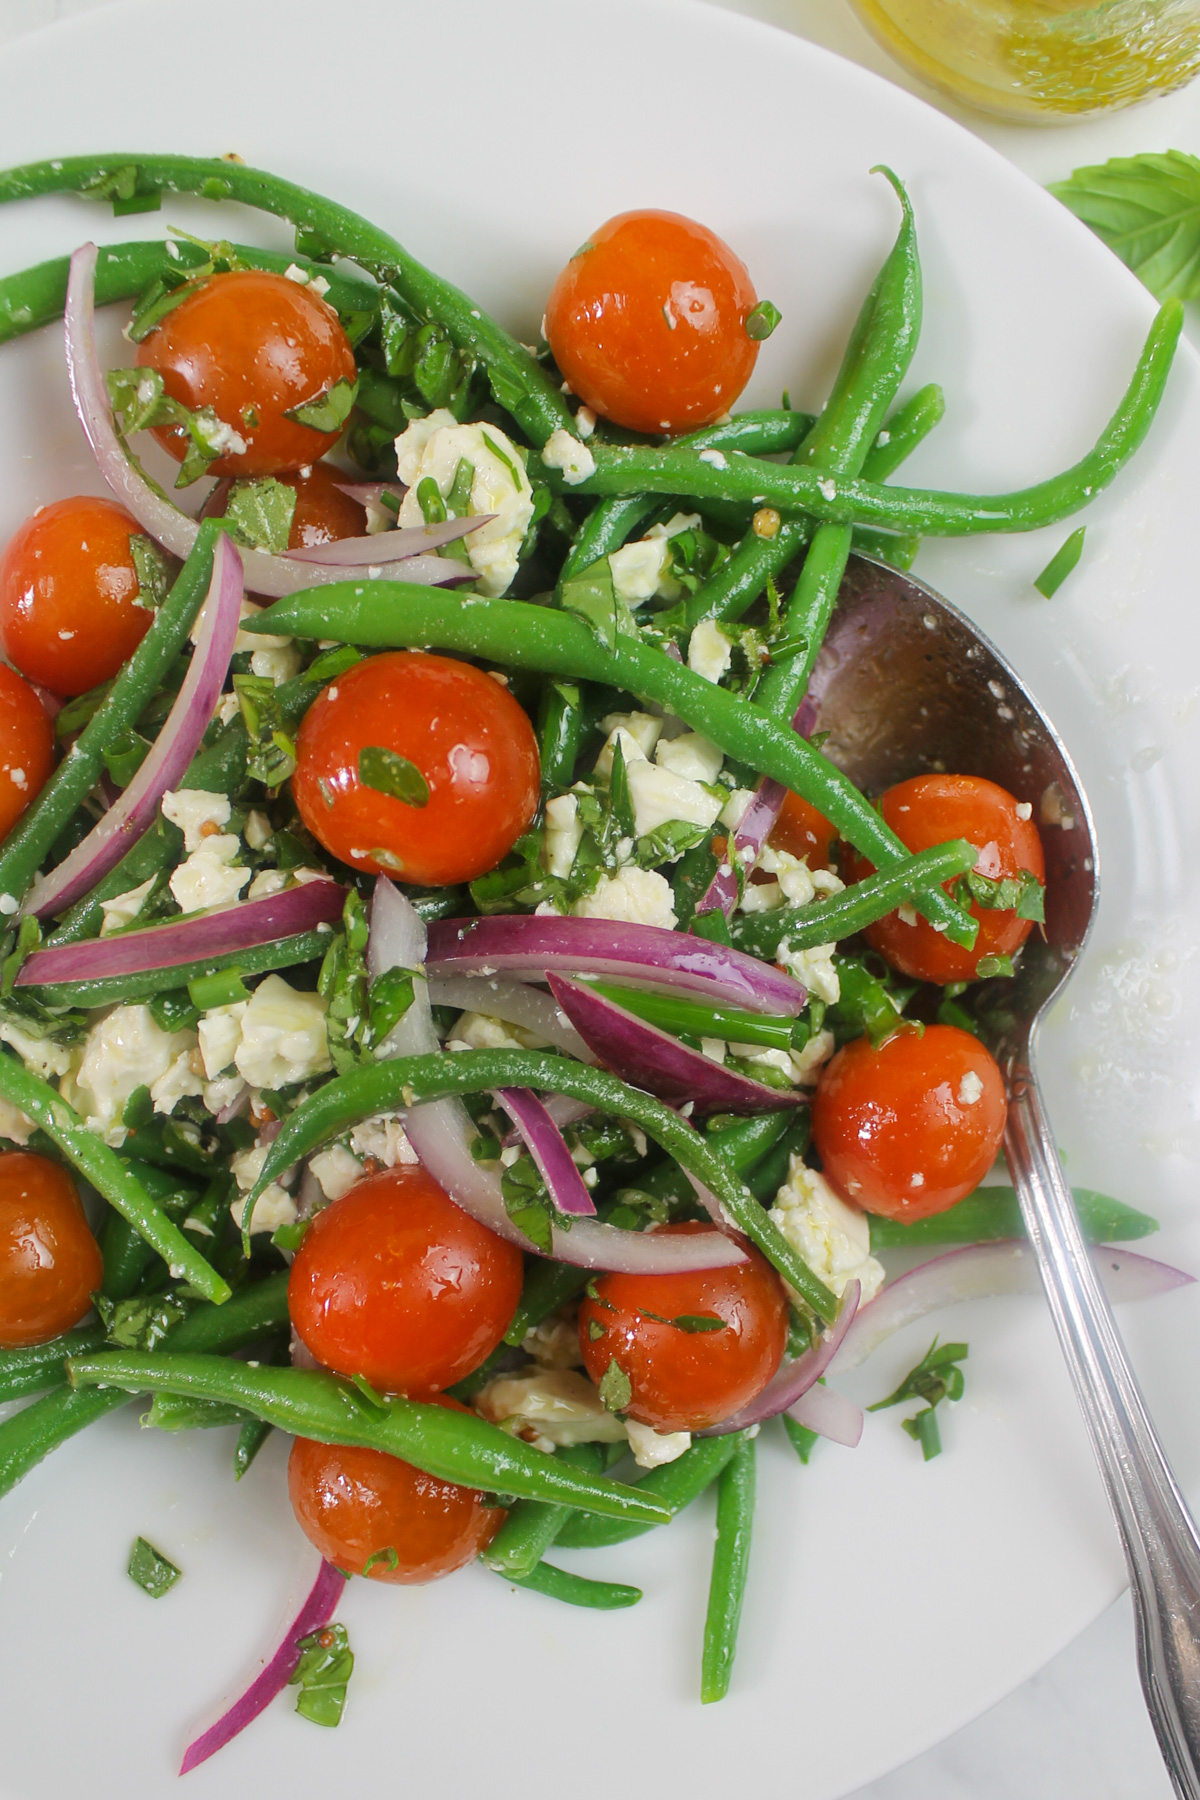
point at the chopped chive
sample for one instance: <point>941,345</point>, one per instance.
<point>225,988</point>
<point>1060,565</point>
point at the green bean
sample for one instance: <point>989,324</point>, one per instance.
<point>560,732</point>
<point>839,916</point>
<point>576,1590</point>
<point>32,1368</point>
<point>27,843</point>
<point>518,381</point>
<point>389,615</point>
<point>532,1526</point>
<point>906,428</point>
<point>47,1423</point>
<point>886,547</point>
<point>611,523</point>
<point>126,1253</point>
<point>98,1163</point>
<point>676,1014</point>
<point>993,1212</point>
<point>628,469</point>
<point>877,358</point>
<point>803,1440</point>
<point>676,1484</point>
<point>250,1440</point>
<point>37,296</point>
<point>408,1080</point>
<point>312,1403</point>
<point>177,1412</point>
<point>730,1567</point>
<point>113,990</point>
<point>769,1175</point>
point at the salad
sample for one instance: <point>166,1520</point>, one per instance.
<point>452,1010</point>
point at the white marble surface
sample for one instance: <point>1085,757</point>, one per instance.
<point>1077,1730</point>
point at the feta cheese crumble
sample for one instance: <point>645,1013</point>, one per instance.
<point>636,896</point>
<point>569,455</point>
<point>709,651</point>
<point>553,1406</point>
<point>432,448</point>
<point>834,1239</point>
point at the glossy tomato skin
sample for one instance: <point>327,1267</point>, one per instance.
<point>397,1283</point>
<point>926,811</point>
<point>802,831</point>
<point>252,345</point>
<point>464,732</point>
<point>26,747</point>
<point>323,512</point>
<point>909,1128</point>
<point>353,1503</point>
<point>648,323</point>
<point>49,1261</point>
<point>69,612</point>
<point>681,1380</point>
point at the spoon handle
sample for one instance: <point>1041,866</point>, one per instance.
<point>1160,1541</point>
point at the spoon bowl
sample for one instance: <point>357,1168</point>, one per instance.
<point>907,685</point>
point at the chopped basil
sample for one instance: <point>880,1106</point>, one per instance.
<point>259,513</point>
<point>271,755</point>
<point>761,320</point>
<point>616,1389</point>
<point>140,1323</point>
<point>387,1557</point>
<point>990,966</point>
<point>328,411</point>
<point>506,460</point>
<point>325,1667</point>
<point>935,1378</point>
<point>619,796</point>
<point>152,569</point>
<point>29,936</point>
<point>1023,894</point>
<point>152,1571</point>
<point>388,999</point>
<point>390,773</point>
<point>591,596</point>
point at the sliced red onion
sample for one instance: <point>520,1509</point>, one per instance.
<point>792,1380</point>
<point>191,940</point>
<point>547,1147</point>
<point>370,493</point>
<point>830,1415</point>
<point>562,1109</point>
<point>753,830</point>
<point>388,546</point>
<point>135,810</point>
<point>645,955</point>
<point>981,1270</point>
<point>514,1003</point>
<point>652,1059</point>
<point>441,1133</point>
<point>265,574</point>
<point>317,1611</point>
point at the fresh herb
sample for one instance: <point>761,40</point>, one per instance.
<point>761,320</point>
<point>619,796</point>
<point>29,936</point>
<point>1147,210</point>
<point>694,1322</point>
<point>989,966</point>
<point>866,1006</point>
<point>592,597</point>
<point>332,663</point>
<point>1060,565</point>
<point>152,1571</point>
<point>124,756</point>
<point>173,1010</point>
<point>390,773</point>
<point>325,1667</point>
<point>225,988</point>
<point>328,411</point>
<point>259,513</point>
<point>616,1389</point>
<point>140,402</point>
<point>388,1558</point>
<point>271,755</point>
<point>388,999</point>
<point>152,569</point>
<point>501,457</point>
<point>1022,894</point>
<point>936,1377</point>
<point>528,1204</point>
<point>343,982</point>
<point>140,1323</point>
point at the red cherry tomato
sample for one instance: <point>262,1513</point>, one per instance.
<point>687,1380</point>
<point>648,323</point>
<point>323,512</point>
<point>354,1504</point>
<point>466,735</point>
<point>253,346</point>
<point>802,831</point>
<point>26,747</point>
<point>395,1282</point>
<point>926,811</point>
<point>909,1128</point>
<point>49,1261</point>
<point>69,612</point>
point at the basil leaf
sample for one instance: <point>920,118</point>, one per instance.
<point>616,1389</point>
<point>259,513</point>
<point>152,569</point>
<point>151,1569</point>
<point>140,1323</point>
<point>390,773</point>
<point>1147,210</point>
<point>328,411</point>
<point>325,1667</point>
<point>591,596</point>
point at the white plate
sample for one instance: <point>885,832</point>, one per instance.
<point>889,1601</point>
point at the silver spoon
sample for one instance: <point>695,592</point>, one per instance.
<point>906,684</point>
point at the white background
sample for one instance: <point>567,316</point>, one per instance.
<point>1077,1731</point>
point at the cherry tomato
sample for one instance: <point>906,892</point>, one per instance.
<point>395,1282</point>
<point>354,1504</point>
<point>909,1128</point>
<point>253,346</point>
<point>648,323</point>
<point>49,1261</point>
<point>323,512</point>
<point>69,610</point>
<point>926,811</point>
<point>26,747</point>
<point>684,1380</point>
<point>462,731</point>
<point>802,831</point>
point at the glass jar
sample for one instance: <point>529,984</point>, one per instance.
<point>1042,59</point>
